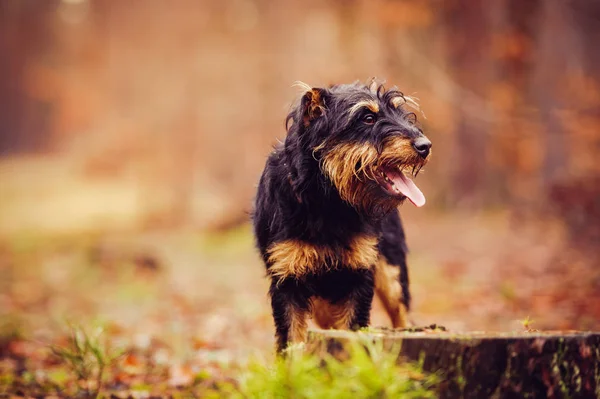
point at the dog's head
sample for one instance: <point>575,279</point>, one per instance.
<point>365,140</point>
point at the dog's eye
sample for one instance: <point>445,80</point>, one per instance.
<point>369,119</point>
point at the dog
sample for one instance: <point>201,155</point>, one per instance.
<point>325,216</point>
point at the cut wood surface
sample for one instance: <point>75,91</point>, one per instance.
<point>553,364</point>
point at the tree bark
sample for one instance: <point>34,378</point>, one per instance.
<point>483,365</point>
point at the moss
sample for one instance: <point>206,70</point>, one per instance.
<point>561,368</point>
<point>460,378</point>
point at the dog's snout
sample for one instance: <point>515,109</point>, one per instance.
<point>422,145</point>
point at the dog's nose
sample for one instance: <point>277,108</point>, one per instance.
<point>422,145</point>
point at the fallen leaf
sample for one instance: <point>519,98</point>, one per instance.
<point>180,375</point>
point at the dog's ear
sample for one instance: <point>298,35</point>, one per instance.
<point>313,105</point>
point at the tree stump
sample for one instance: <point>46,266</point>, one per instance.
<point>483,365</point>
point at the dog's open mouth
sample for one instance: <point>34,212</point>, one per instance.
<point>396,181</point>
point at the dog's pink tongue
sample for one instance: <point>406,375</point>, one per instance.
<point>406,186</point>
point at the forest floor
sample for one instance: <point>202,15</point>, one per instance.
<point>176,309</point>
<point>179,311</point>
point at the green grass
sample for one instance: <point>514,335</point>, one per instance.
<point>86,357</point>
<point>369,372</point>
<point>87,364</point>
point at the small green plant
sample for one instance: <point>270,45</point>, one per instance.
<point>368,372</point>
<point>527,324</point>
<point>87,357</point>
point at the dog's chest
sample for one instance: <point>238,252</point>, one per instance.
<point>297,259</point>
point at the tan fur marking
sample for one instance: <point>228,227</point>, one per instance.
<point>370,104</point>
<point>399,151</point>
<point>388,289</point>
<point>298,326</point>
<point>328,315</point>
<point>294,258</point>
<point>363,251</point>
<point>349,164</point>
<point>315,108</point>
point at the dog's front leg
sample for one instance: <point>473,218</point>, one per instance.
<point>290,310</point>
<point>361,300</point>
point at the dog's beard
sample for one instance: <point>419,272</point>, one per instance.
<point>374,182</point>
<point>399,162</point>
<point>370,200</point>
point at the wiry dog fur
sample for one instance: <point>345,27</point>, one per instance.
<point>328,232</point>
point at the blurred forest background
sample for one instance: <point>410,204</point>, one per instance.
<point>132,135</point>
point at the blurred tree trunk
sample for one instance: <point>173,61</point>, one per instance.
<point>468,42</point>
<point>585,17</point>
<point>516,142</point>
<point>555,53</point>
<point>25,36</point>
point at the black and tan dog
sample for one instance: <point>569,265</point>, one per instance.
<point>326,219</point>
